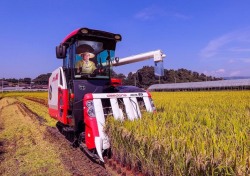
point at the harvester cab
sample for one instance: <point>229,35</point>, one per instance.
<point>82,93</point>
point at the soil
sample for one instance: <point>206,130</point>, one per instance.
<point>2,150</point>
<point>73,159</point>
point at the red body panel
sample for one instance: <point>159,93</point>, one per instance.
<point>116,82</point>
<point>91,128</point>
<point>70,35</point>
<point>63,104</point>
<point>53,113</point>
<point>150,97</point>
<point>149,94</point>
<point>91,131</point>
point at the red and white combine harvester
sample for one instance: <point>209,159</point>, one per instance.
<point>81,101</point>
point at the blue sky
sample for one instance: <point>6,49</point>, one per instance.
<point>208,36</point>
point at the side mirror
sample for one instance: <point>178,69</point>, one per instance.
<point>61,51</point>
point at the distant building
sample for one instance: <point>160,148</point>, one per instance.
<point>4,83</point>
<point>240,84</point>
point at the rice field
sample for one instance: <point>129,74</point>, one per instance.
<point>192,133</point>
<point>40,95</point>
<point>31,145</point>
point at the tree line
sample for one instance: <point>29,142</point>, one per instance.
<point>143,77</point>
<point>40,80</point>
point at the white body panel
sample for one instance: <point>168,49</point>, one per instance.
<point>54,84</point>
<point>132,111</point>
<point>117,112</point>
<point>101,122</point>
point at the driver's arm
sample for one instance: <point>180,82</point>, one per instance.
<point>78,66</point>
<point>93,67</point>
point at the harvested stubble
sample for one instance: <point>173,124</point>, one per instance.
<point>193,133</point>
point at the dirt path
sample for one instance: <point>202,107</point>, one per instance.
<point>28,147</point>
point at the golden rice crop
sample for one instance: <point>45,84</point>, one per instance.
<point>40,110</point>
<point>41,94</point>
<point>193,133</point>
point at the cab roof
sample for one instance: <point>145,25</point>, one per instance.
<point>81,32</point>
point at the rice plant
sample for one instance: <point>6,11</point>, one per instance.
<point>194,133</point>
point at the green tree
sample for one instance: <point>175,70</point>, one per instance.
<point>42,79</point>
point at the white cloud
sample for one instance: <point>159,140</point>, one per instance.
<point>144,15</point>
<point>231,61</point>
<point>218,72</point>
<point>239,49</point>
<point>150,13</point>
<point>239,60</point>
<point>246,60</point>
<point>212,48</point>
<point>216,45</point>
<point>235,73</point>
<point>154,11</point>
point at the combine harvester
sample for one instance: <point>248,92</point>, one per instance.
<point>81,101</point>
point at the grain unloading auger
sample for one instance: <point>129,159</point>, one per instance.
<point>82,101</point>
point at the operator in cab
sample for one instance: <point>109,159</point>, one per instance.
<point>85,65</point>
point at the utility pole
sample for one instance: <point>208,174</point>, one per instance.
<point>135,79</point>
<point>18,84</point>
<point>2,85</point>
<point>134,74</point>
<point>31,83</point>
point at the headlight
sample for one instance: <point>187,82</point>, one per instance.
<point>118,37</point>
<point>84,31</point>
<point>90,104</point>
<point>90,108</point>
<point>91,112</point>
